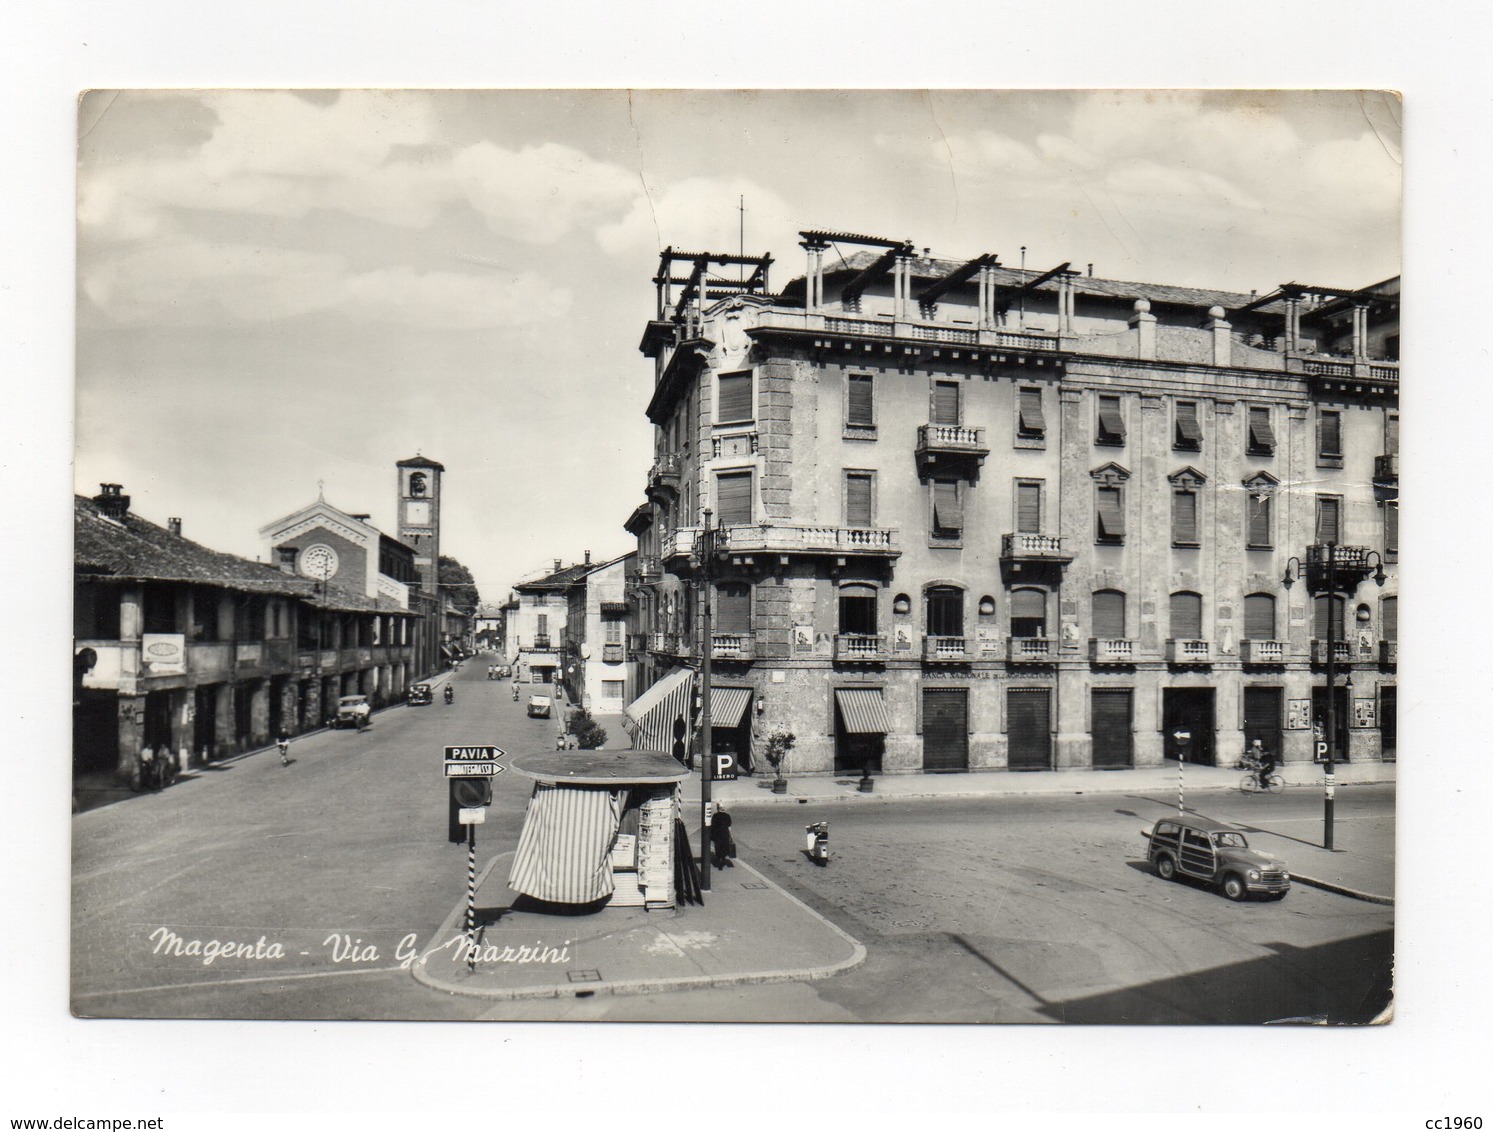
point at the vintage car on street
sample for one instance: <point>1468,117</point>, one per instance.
<point>352,711</point>
<point>419,694</point>
<point>1217,854</point>
<point>539,707</point>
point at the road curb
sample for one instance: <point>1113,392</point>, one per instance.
<point>1342,890</point>
<point>1128,787</point>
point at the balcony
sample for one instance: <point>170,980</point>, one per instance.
<point>1387,471</point>
<point>920,331</point>
<point>772,538</point>
<point>1189,652</point>
<point>612,653</point>
<point>1262,652</point>
<point>1349,565</point>
<point>650,570</point>
<point>1031,650</point>
<point>1111,650</point>
<point>936,440</point>
<point>664,475</point>
<point>945,650</point>
<point>860,648</point>
<point>538,644</point>
<point>1027,547</point>
<point>670,644</point>
<point>732,646</point>
<point>1389,653</point>
<point>1342,651</point>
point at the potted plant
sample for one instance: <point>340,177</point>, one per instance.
<point>779,743</point>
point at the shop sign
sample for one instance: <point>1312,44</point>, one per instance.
<point>248,656</point>
<point>164,654</point>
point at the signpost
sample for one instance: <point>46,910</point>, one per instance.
<point>470,771</point>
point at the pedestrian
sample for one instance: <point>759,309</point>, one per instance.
<point>722,845</point>
<point>515,691</point>
<point>560,741</point>
<point>282,745</point>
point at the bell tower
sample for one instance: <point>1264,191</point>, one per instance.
<point>420,515</point>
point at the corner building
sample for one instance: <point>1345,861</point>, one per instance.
<point>972,517</point>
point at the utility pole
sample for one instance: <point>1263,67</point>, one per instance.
<point>1329,780</point>
<point>707,571</point>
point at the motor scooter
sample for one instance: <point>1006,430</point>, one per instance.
<point>450,694</point>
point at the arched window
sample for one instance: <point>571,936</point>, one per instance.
<point>945,608</point>
<point>1320,617</point>
<point>1187,616</point>
<point>733,607</point>
<point>1028,613</point>
<point>1109,615</point>
<point>1259,617</point>
<point>858,608</point>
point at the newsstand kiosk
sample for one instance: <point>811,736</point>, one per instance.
<point>601,824</point>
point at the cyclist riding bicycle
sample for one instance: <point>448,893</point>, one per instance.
<point>1261,761</point>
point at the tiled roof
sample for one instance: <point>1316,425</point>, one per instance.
<point>568,575</point>
<point>421,462</point>
<point>136,549</point>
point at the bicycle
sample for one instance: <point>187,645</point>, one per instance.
<point>1255,783</point>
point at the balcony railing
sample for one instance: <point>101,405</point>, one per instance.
<point>1389,653</point>
<point>1111,650</point>
<point>865,648</point>
<point>1262,652</point>
<point>917,330</point>
<point>950,440</point>
<point>1029,547</point>
<point>1348,563</point>
<point>1387,470</point>
<point>537,644</point>
<point>665,471</point>
<point>771,538</point>
<point>650,570</point>
<point>1188,652</point>
<point>732,646</point>
<point>1031,650</point>
<point>1342,651</point>
<point>945,650</point>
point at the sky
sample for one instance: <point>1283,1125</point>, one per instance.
<point>281,293</point>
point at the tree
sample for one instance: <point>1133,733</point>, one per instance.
<point>779,743</point>
<point>589,735</point>
<point>459,584</point>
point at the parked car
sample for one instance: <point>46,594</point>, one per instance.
<point>539,707</point>
<point>352,711</point>
<point>1217,854</point>
<point>419,694</point>
<point>504,670</point>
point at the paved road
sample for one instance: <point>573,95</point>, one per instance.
<point>1029,909</point>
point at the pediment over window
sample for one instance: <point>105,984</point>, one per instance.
<point>1110,475</point>
<point>1188,477</point>
<point>1261,483</point>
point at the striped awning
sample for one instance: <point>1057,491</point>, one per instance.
<point>653,716</point>
<point>564,851</point>
<point>727,705</point>
<point>863,711</point>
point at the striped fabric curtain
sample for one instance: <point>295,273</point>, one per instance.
<point>652,717</point>
<point>564,851</point>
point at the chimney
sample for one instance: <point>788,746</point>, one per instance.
<point>111,503</point>
<point>588,558</point>
<point>173,525</point>
<point>557,565</point>
<point>1091,271</point>
<point>287,559</point>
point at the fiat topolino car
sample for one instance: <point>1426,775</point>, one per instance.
<point>1217,854</point>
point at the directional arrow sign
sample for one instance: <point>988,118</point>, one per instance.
<point>474,754</point>
<point>473,770</point>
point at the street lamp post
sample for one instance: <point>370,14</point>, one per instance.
<point>707,571</point>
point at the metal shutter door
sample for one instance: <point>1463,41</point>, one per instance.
<point>945,730</point>
<point>1029,508</point>
<point>1109,615</point>
<point>1262,717</point>
<point>1028,729</point>
<point>1112,727</point>
<point>1259,617</point>
<point>734,498</point>
<point>735,398</point>
<point>945,403</point>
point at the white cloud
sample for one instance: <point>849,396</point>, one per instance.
<point>700,213</point>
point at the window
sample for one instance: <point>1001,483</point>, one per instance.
<point>858,608</point>
<point>1187,432</point>
<point>1322,611</point>
<point>1109,615</point>
<point>1187,617</point>
<point>733,608</point>
<point>945,609</point>
<point>859,498</point>
<point>613,631</point>
<point>948,509</point>
<point>1111,430</point>
<point>733,497</point>
<point>1392,434</point>
<point>1329,508</point>
<point>1389,618</point>
<point>734,398</point>
<point>1028,613</point>
<point>945,403</point>
<point>1391,528</point>
<point>1259,617</point>
<point>1329,438</point>
<point>1110,521</point>
<point>544,625</point>
<point>1261,441</point>
<point>860,406</point>
<point>1029,507</point>
<point>1257,508</point>
<point>1184,517</point>
<point>1030,422</point>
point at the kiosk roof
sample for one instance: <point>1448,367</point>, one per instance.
<point>600,768</point>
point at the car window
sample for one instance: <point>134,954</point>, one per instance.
<point>1193,837</point>
<point>1230,841</point>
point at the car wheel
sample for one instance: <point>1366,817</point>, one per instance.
<point>1166,868</point>
<point>1234,887</point>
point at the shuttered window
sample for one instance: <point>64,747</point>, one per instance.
<point>1187,617</point>
<point>945,611</point>
<point>1261,435</point>
<point>1389,618</point>
<point>1189,433</point>
<point>1184,518</point>
<point>733,492</point>
<point>1392,434</point>
<point>1391,526</point>
<point>946,402</point>
<point>1328,527</point>
<point>1320,615</point>
<point>857,608</point>
<point>948,512</point>
<point>1257,509</point>
<point>858,499</point>
<point>1109,615</point>
<point>1329,433</point>
<point>859,407</point>
<point>1111,517</point>
<point>1028,613</point>
<point>1259,617</point>
<point>735,391</point>
<point>1029,508</point>
<point>733,608</point>
<point>1030,421</point>
<point>1111,422</point>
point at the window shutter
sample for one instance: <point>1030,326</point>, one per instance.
<point>858,500</point>
<point>948,515</point>
<point>1187,617</point>
<point>1031,422</point>
<point>945,612</point>
<point>1389,618</point>
<point>1392,524</point>
<point>1259,520</point>
<point>859,410</point>
<point>1111,516</point>
<point>1111,422</point>
<point>1327,518</point>
<point>734,498</point>
<point>1261,435</point>
<point>1184,517</point>
<point>945,403</point>
<point>1189,432</point>
<point>1392,434</point>
<point>1259,617</point>
<point>1109,615</point>
<point>1320,615</point>
<point>733,608</point>
<point>1329,433</point>
<point>1029,508</point>
<point>735,398</point>
<point>1029,604</point>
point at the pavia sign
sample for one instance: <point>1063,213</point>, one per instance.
<point>473,762</point>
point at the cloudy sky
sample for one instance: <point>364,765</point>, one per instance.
<point>280,289</point>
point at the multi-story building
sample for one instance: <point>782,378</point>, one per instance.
<point>594,660</point>
<point>536,627</point>
<point>977,517</point>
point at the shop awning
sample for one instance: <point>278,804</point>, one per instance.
<point>863,711</point>
<point>727,705</point>
<point>448,652</point>
<point>652,716</point>
<point>564,851</point>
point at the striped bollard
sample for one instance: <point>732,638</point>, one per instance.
<point>471,897</point>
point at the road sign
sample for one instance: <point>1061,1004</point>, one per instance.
<point>472,770</point>
<point>471,815</point>
<point>474,754</point>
